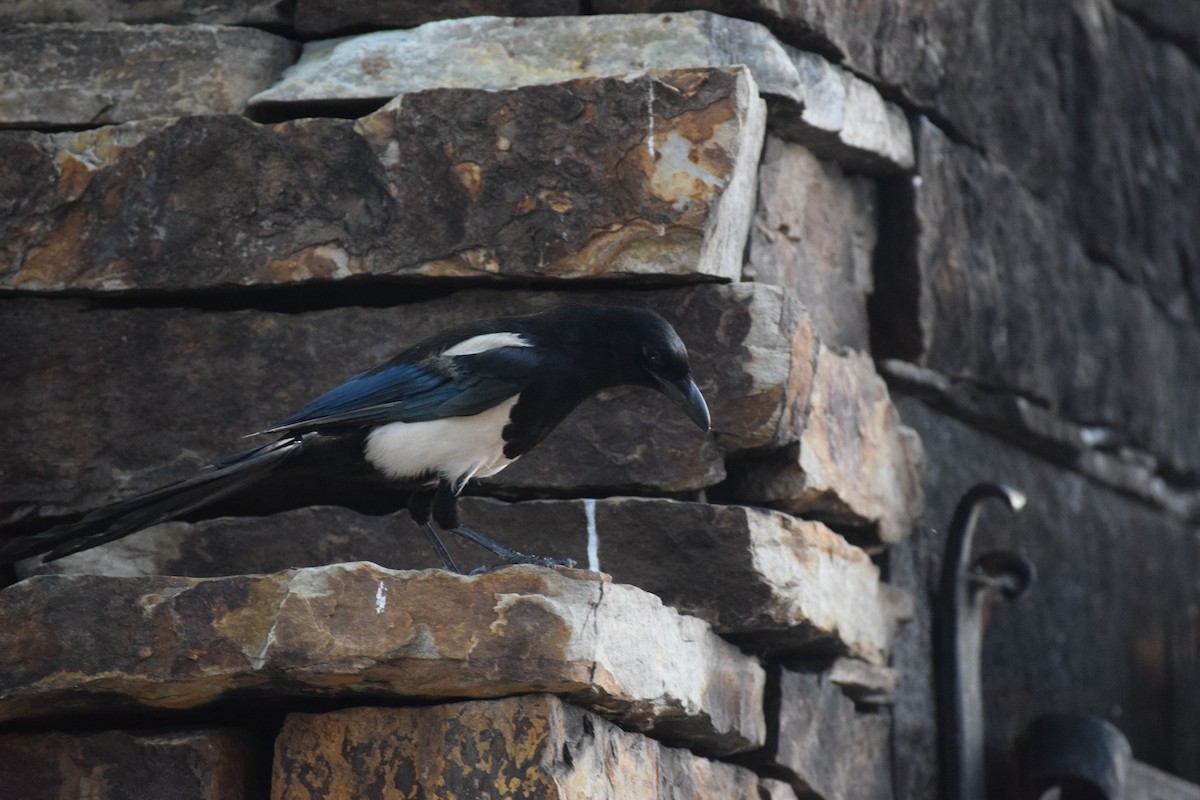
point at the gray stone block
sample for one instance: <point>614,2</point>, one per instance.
<point>834,112</point>
<point>323,17</point>
<point>82,75</point>
<point>1000,293</point>
<point>814,232</point>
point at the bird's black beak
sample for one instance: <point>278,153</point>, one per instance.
<point>687,396</point>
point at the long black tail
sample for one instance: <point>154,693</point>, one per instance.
<point>161,505</point>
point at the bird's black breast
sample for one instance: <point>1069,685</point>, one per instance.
<point>542,406</point>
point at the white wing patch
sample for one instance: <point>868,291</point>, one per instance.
<point>485,342</point>
<point>455,448</point>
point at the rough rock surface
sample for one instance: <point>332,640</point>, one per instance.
<point>496,53</point>
<point>323,17</point>
<point>814,232</point>
<point>1177,22</point>
<point>1054,92</point>
<point>821,746</point>
<point>865,684</point>
<point>214,12</point>
<point>361,630</point>
<point>530,746</point>
<point>770,581</point>
<point>213,764</point>
<point>650,176</point>
<point>205,380</point>
<point>63,75</point>
<point>1143,780</point>
<point>985,307</point>
<point>1103,454</point>
<point>856,464</point>
<point>838,114</point>
<point>844,118</point>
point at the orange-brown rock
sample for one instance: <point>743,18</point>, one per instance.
<point>202,764</point>
<point>855,463</point>
<point>74,75</point>
<point>642,177</point>
<point>528,746</point>
<point>768,580</point>
<point>105,401</point>
<point>82,644</point>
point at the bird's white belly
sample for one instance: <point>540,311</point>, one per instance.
<point>455,448</point>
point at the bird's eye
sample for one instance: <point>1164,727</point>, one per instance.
<point>655,360</point>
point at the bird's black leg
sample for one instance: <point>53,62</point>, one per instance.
<point>420,505</point>
<point>440,549</point>
<point>445,513</point>
<point>445,505</point>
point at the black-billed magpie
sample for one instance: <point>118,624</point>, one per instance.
<point>463,404</point>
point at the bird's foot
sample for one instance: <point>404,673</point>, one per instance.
<point>507,554</point>
<point>522,558</point>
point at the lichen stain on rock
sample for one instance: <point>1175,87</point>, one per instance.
<point>470,175</point>
<point>531,626</point>
<point>322,261</point>
<point>637,246</point>
<point>558,201</point>
<point>43,266</point>
<point>74,175</point>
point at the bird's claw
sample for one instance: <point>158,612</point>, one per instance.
<point>541,561</point>
<point>516,559</point>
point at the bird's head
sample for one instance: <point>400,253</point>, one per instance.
<point>654,356</point>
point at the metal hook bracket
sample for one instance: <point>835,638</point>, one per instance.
<point>965,590</point>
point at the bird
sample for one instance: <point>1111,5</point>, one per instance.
<point>462,404</point>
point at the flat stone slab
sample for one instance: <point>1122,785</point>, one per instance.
<point>855,463</point>
<point>865,684</point>
<point>843,118</point>
<point>530,746</point>
<point>87,643</point>
<point>820,745</point>
<point>818,103</point>
<point>636,178</point>
<point>203,381</point>
<point>767,580</point>
<point>214,12</point>
<point>1143,780</point>
<point>60,75</point>
<point>323,17</point>
<point>201,764</point>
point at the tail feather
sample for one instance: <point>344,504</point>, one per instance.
<point>160,505</point>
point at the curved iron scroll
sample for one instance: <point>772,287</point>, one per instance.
<point>965,589</point>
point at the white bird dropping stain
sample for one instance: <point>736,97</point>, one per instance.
<point>380,598</point>
<point>589,510</point>
<point>650,116</point>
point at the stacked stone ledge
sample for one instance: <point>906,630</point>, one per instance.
<point>448,182</point>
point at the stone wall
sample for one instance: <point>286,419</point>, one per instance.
<point>908,247</point>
